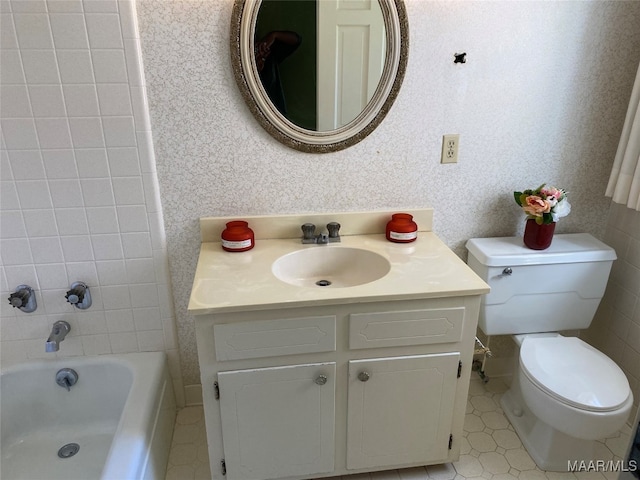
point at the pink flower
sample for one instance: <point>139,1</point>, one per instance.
<point>551,192</point>
<point>536,206</point>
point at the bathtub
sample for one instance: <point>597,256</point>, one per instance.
<point>120,414</point>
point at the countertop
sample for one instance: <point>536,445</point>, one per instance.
<point>232,282</point>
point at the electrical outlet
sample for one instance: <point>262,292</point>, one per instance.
<point>450,148</point>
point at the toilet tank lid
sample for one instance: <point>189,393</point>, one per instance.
<point>565,248</point>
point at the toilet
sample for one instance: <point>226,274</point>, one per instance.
<point>564,394</point>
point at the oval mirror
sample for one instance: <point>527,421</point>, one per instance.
<point>319,75</point>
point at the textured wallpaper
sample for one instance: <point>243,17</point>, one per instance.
<point>542,98</point>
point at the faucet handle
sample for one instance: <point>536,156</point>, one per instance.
<point>308,233</point>
<point>334,229</point>
<point>79,295</point>
<point>23,298</point>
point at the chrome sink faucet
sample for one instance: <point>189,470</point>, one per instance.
<point>58,333</point>
<point>309,234</point>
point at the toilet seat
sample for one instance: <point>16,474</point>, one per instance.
<point>574,373</point>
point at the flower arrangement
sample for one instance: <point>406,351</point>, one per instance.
<point>544,204</point>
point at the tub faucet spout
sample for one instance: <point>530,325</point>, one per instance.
<point>58,333</point>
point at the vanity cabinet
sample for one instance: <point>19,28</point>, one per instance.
<point>320,391</point>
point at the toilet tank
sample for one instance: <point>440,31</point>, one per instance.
<point>532,291</point>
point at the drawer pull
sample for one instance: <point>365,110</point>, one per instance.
<point>321,380</point>
<point>363,376</point>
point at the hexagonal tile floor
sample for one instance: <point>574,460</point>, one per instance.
<point>491,450</point>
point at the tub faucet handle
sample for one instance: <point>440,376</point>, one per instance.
<point>23,298</point>
<point>79,295</point>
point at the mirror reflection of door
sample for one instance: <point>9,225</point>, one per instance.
<point>351,54</point>
<point>328,78</point>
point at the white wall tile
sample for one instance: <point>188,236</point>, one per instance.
<point>33,31</point>
<point>12,72</point>
<point>81,100</point>
<point>47,100</point>
<point>123,162</point>
<point>8,38</point>
<point>111,272</point>
<point>34,194</point>
<point>116,297</point>
<point>100,6</point>
<point>119,320</point>
<point>104,30</point>
<point>86,132</point>
<point>31,6</point>
<point>64,6</point>
<point>102,220</point>
<point>40,66</point>
<point>137,245</point>
<point>114,99</point>
<point>126,342</point>
<point>8,196</point>
<point>52,276</point>
<point>86,272</point>
<point>72,221</point>
<point>97,192</point>
<point>19,133</point>
<point>144,295</point>
<point>128,190</point>
<point>119,131</point>
<point>27,164</point>
<point>15,251</point>
<point>15,101</point>
<point>59,164</point>
<point>66,193</point>
<point>132,218</point>
<point>75,66</point>
<point>134,62</point>
<point>147,319</point>
<point>140,270</point>
<point>92,163</point>
<point>151,341</point>
<point>23,274</point>
<point>91,322</point>
<point>77,248</point>
<point>40,223</point>
<point>128,18</point>
<point>46,250</point>
<point>12,225</point>
<point>107,247</point>
<point>53,132</point>
<point>96,344</point>
<point>109,66</point>
<point>69,31</point>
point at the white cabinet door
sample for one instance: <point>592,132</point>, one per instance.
<point>400,409</point>
<point>278,421</point>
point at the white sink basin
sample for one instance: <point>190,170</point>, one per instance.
<point>330,266</point>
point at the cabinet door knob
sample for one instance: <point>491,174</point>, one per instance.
<point>321,379</point>
<point>363,376</point>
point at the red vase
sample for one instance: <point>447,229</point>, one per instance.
<point>401,228</point>
<point>237,237</point>
<point>538,237</point>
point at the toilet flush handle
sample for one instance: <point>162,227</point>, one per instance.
<point>507,271</point>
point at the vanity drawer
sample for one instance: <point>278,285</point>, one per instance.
<point>268,338</point>
<point>402,328</point>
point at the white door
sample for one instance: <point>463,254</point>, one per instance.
<point>351,54</point>
<point>400,410</point>
<point>279,421</point>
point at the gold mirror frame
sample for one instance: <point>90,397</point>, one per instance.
<point>243,20</point>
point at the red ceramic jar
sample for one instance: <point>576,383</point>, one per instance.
<point>237,237</point>
<point>401,228</point>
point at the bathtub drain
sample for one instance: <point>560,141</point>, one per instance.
<point>68,450</point>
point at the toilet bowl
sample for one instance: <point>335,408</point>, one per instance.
<point>574,387</point>
<point>564,395</point>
